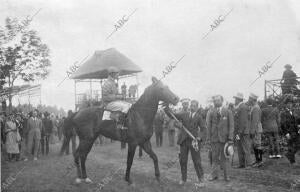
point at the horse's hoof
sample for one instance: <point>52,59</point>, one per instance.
<point>88,180</point>
<point>78,180</point>
<point>129,181</point>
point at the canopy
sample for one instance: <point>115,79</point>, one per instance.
<point>96,66</point>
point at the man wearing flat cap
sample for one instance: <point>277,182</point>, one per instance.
<point>255,129</point>
<point>289,81</point>
<point>241,132</point>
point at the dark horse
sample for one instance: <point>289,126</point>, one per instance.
<point>139,120</point>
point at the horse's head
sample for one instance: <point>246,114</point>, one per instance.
<point>163,93</point>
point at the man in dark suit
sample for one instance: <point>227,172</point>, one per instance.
<point>220,128</point>
<point>270,122</point>
<point>241,131</point>
<point>69,134</point>
<point>191,121</point>
<point>291,130</point>
<point>46,132</point>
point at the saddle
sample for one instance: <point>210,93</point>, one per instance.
<point>115,109</point>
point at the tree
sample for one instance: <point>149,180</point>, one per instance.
<point>25,58</point>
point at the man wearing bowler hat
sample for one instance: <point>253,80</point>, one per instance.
<point>220,129</point>
<point>241,131</point>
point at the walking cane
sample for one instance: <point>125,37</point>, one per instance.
<point>194,142</point>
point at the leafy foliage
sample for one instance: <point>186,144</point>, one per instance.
<point>23,55</point>
<point>26,58</point>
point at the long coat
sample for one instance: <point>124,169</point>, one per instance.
<point>12,137</point>
<point>255,120</point>
<point>220,125</point>
<point>241,124</point>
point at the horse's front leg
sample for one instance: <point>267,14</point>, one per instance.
<point>148,149</point>
<point>130,156</point>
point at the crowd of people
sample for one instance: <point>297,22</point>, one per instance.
<point>243,124</point>
<point>29,136</point>
<point>25,136</point>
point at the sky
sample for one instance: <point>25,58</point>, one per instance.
<point>227,61</point>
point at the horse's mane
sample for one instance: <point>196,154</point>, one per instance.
<point>145,110</point>
<point>146,96</point>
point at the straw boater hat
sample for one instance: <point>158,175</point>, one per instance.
<point>239,96</point>
<point>228,150</point>
<point>288,66</point>
<point>253,96</point>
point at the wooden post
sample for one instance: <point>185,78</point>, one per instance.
<point>265,88</point>
<point>75,95</point>
<point>91,94</point>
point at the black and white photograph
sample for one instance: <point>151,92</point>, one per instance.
<point>150,96</point>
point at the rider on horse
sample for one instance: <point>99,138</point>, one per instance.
<point>110,88</point>
<point>110,94</point>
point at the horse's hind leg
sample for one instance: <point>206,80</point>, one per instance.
<point>80,157</point>
<point>130,156</point>
<point>77,155</point>
<point>148,149</point>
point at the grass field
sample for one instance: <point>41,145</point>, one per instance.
<point>106,167</point>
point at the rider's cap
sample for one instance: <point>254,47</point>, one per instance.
<point>113,69</point>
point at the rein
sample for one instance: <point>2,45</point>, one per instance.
<point>148,108</point>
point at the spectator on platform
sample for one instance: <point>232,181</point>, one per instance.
<point>132,91</point>
<point>289,81</point>
<point>124,90</point>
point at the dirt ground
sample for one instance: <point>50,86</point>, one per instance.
<point>106,166</point>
